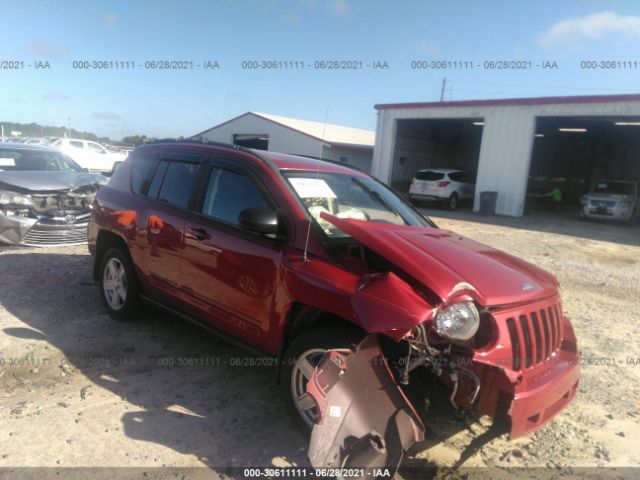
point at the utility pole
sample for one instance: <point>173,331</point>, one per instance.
<point>444,86</point>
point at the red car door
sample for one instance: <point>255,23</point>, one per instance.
<point>230,275</point>
<point>161,224</point>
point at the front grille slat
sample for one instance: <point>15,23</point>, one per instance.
<point>524,328</point>
<point>545,332</point>
<point>538,336</point>
<point>515,342</point>
<point>43,234</point>
<point>535,335</point>
<point>552,328</point>
<point>558,309</point>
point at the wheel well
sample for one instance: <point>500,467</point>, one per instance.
<point>302,318</point>
<point>104,242</point>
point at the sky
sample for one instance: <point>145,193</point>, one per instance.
<point>168,103</point>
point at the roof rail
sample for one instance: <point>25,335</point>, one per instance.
<point>192,140</point>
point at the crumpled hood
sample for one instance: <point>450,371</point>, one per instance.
<point>40,181</point>
<point>444,261</point>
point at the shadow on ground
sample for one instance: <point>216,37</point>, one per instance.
<point>188,390</point>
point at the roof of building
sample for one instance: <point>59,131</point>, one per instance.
<point>515,101</point>
<point>329,133</point>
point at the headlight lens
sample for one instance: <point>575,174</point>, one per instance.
<point>12,198</point>
<point>459,321</point>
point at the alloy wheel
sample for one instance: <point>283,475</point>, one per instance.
<point>114,284</point>
<point>300,374</point>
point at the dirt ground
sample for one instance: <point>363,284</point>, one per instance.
<point>80,390</point>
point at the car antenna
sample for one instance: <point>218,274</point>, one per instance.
<point>324,129</point>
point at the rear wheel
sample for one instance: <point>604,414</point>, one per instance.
<point>452,203</point>
<point>118,285</point>
<point>299,362</point>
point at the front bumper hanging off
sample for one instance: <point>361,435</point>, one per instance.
<point>365,420</point>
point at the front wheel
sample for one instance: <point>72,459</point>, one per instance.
<point>118,285</point>
<point>299,362</point>
<point>452,203</point>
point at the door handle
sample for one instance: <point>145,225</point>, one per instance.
<point>199,233</point>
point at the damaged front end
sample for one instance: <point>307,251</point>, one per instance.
<point>516,362</point>
<point>45,218</point>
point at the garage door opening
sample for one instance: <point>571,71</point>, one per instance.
<point>571,154</point>
<point>436,144</point>
<point>259,142</point>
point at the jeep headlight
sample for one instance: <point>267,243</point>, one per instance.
<point>11,198</point>
<point>460,321</point>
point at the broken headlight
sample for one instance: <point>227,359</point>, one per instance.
<point>458,322</point>
<point>11,198</point>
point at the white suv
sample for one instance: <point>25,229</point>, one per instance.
<point>611,200</point>
<point>90,155</point>
<point>442,184</point>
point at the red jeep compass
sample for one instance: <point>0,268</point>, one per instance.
<point>351,289</point>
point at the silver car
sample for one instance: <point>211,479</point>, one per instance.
<point>45,197</point>
<point>611,200</point>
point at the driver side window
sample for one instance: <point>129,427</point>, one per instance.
<point>229,193</point>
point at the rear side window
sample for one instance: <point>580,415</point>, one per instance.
<point>172,182</point>
<point>229,193</point>
<point>178,182</point>
<point>76,144</point>
<point>141,169</point>
<point>429,175</point>
<point>156,183</point>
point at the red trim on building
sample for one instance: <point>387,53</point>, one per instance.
<point>515,101</point>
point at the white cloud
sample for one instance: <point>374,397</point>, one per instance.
<point>291,19</point>
<point>425,47</point>
<point>336,7</point>
<point>109,19</point>
<point>53,95</point>
<point>106,116</point>
<point>44,49</point>
<point>339,7</point>
<point>594,26</point>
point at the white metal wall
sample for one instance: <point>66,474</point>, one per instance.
<point>507,140</point>
<point>286,140</point>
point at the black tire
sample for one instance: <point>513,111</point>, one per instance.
<point>632,216</point>
<point>315,339</point>
<point>452,202</point>
<point>129,306</point>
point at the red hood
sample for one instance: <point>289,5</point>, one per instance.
<point>444,262</point>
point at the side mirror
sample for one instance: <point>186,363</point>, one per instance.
<point>258,220</point>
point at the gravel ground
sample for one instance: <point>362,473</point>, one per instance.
<point>79,390</point>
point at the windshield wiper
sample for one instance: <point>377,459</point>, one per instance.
<point>378,198</point>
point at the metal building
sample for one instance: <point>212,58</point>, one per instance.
<point>299,137</point>
<point>509,143</point>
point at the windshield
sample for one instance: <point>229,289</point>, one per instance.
<point>351,196</point>
<point>617,188</point>
<point>36,160</point>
